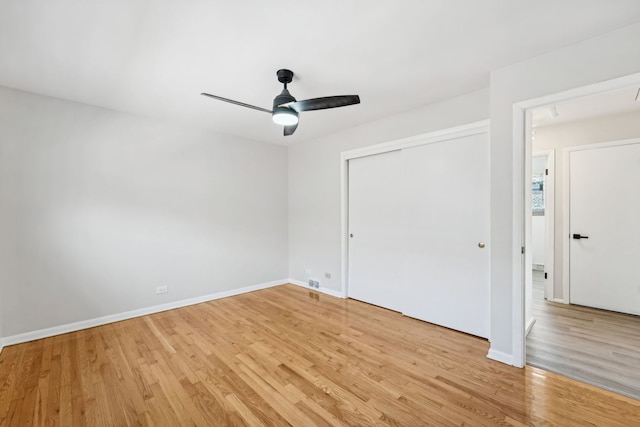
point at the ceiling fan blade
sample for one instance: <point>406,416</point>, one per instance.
<point>289,130</point>
<point>324,103</point>
<point>231,101</point>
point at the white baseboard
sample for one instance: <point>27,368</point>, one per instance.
<point>99,321</point>
<point>331,292</point>
<point>500,356</point>
<point>530,324</point>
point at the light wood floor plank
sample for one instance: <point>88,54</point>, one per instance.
<point>597,346</point>
<point>287,356</point>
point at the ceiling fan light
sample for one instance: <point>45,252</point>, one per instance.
<point>284,116</point>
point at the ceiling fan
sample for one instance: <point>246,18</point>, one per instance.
<point>286,108</point>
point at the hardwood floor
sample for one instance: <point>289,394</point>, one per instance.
<point>599,347</point>
<point>286,356</point>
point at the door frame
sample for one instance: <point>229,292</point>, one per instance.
<point>470,129</point>
<point>522,150</point>
<point>566,198</point>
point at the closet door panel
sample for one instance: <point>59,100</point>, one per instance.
<point>446,251</point>
<point>375,212</point>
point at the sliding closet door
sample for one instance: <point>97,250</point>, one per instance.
<point>375,245</point>
<point>446,210</point>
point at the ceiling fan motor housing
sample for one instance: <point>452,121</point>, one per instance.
<point>284,98</point>
<point>283,115</point>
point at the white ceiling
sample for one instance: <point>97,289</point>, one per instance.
<point>155,57</point>
<point>603,104</point>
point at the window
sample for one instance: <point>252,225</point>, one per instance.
<point>537,193</point>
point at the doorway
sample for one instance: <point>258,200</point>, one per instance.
<point>539,278</point>
<point>589,344</point>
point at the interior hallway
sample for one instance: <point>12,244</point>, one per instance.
<point>595,346</point>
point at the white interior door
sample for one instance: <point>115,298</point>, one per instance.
<point>446,272</point>
<point>604,203</point>
<point>375,243</point>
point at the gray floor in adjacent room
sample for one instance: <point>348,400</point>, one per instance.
<point>595,346</point>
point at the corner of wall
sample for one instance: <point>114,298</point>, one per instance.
<point>324,290</point>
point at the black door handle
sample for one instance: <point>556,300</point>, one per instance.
<point>578,237</point>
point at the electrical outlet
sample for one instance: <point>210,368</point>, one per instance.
<point>314,283</point>
<point>327,275</point>
<point>162,290</point>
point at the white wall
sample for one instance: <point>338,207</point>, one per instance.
<point>537,241</point>
<point>590,131</point>
<point>314,180</point>
<point>98,208</point>
<point>606,57</point>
